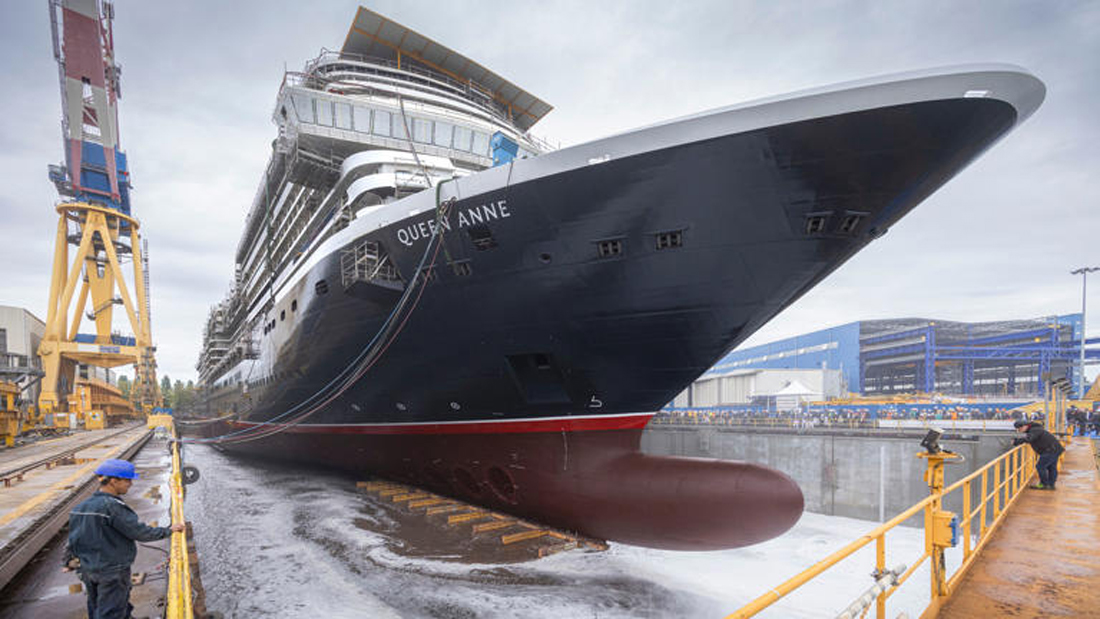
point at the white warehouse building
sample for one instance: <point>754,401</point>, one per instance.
<point>784,389</point>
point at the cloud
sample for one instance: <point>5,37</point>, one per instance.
<point>200,79</point>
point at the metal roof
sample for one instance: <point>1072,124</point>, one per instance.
<point>372,34</point>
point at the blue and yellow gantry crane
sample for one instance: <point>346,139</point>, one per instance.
<point>94,216</point>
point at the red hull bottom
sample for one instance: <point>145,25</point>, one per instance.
<point>594,482</point>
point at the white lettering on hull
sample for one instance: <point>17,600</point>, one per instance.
<point>412,233</point>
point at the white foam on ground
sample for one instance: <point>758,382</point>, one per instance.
<point>274,541</point>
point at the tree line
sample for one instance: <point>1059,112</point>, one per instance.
<point>176,394</point>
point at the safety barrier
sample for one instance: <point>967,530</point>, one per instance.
<point>1000,483</point>
<point>806,423</point>
<point>179,563</point>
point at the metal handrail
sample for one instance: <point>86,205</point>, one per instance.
<point>1010,472</point>
<point>179,563</point>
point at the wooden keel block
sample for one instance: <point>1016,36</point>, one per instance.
<point>519,537</point>
<point>443,509</point>
<point>428,502</point>
<point>468,516</point>
<point>493,526</point>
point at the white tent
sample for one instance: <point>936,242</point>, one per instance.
<point>793,395</point>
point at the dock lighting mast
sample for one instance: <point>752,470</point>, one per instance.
<point>1084,273</point>
<point>93,213</point>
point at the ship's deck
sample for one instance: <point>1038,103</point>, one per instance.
<point>1043,562</point>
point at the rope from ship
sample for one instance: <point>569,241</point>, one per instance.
<point>366,358</point>
<point>412,147</point>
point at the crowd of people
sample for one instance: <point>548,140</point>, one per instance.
<point>869,415</point>
<point>1084,422</point>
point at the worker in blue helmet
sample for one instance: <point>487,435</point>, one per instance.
<point>102,534</point>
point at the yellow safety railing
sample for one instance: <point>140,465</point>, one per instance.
<point>179,563</point>
<point>1000,482</point>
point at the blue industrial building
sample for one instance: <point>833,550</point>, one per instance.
<point>911,355</point>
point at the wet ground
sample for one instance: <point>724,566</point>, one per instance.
<point>43,590</point>
<point>274,540</point>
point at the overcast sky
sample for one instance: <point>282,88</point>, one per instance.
<point>200,78</point>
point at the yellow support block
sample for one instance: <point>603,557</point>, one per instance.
<point>392,491</point>
<point>375,485</point>
<point>428,502</point>
<point>443,509</point>
<point>410,496</point>
<point>493,526</point>
<point>468,516</point>
<point>525,535</point>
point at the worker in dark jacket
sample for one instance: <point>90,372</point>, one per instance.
<point>1046,445</point>
<point>102,531</point>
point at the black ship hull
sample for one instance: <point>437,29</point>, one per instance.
<point>589,299</point>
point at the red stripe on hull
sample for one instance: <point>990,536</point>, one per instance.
<point>524,426</point>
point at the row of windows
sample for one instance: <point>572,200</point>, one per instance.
<point>388,124</point>
<point>782,355</point>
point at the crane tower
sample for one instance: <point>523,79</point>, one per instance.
<point>94,217</point>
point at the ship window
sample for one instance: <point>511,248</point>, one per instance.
<point>422,130</point>
<point>321,287</point>
<point>303,106</point>
<point>294,305</point>
<point>462,269</point>
<point>815,222</point>
<point>442,136</point>
<point>382,123</point>
<point>481,236</point>
<point>343,116</point>
<point>324,113</point>
<point>463,136</point>
<point>850,222</point>
<point>609,248</point>
<point>362,119</point>
<point>670,240</point>
<point>282,315</point>
<point>481,144</point>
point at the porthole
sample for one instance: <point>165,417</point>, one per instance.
<point>294,305</point>
<point>282,315</point>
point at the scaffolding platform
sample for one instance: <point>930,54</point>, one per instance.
<point>1043,560</point>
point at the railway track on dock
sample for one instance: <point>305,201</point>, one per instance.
<point>16,473</point>
<point>18,551</point>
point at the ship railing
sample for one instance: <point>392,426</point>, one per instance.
<point>366,261</point>
<point>332,57</point>
<point>987,495</point>
<point>468,89</point>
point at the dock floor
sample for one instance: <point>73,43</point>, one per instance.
<point>1044,561</point>
<point>13,457</point>
<point>43,590</point>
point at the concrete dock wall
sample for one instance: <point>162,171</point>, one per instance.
<point>867,475</point>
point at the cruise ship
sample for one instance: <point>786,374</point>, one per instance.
<point>426,292</point>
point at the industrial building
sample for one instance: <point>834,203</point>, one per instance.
<point>1008,358</point>
<point>20,333</point>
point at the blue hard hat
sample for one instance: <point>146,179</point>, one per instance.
<point>117,468</point>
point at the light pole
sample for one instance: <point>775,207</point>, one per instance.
<point>1084,273</point>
